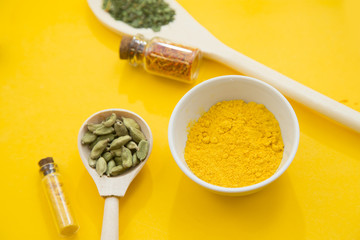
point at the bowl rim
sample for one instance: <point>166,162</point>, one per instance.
<point>245,189</point>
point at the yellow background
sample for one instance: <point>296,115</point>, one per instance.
<point>59,65</point>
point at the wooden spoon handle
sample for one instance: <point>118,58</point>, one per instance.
<point>110,226</point>
<point>292,89</point>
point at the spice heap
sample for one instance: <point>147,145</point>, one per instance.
<point>116,145</point>
<point>162,57</point>
<point>140,13</point>
<point>234,144</point>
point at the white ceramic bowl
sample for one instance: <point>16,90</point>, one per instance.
<point>203,96</point>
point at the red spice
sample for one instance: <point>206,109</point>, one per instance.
<point>162,57</point>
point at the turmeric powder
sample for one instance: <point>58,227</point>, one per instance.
<point>234,144</point>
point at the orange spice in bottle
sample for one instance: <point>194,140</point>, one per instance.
<point>162,57</point>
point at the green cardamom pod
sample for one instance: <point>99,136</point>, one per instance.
<point>116,152</point>
<point>143,150</point>
<point>110,165</point>
<point>135,160</point>
<point>103,130</point>
<point>117,170</point>
<point>130,123</point>
<point>102,137</point>
<point>119,142</point>
<point>136,135</point>
<point>101,166</point>
<point>88,138</point>
<point>110,120</point>
<point>126,157</point>
<point>93,126</point>
<point>98,149</point>
<point>92,162</point>
<point>120,129</point>
<point>118,160</point>
<point>132,145</point>
<point>107,156</point>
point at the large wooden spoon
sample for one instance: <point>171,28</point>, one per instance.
<point>111,188</point>
<point>186,30</point>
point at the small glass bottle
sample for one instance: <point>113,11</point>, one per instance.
<point>52,185</point>
<point>161,57</point>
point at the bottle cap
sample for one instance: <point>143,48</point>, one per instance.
<point>44,161</point>
<point>124,46</point>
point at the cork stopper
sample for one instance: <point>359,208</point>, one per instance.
<point>125,46</point>
<point>44,161</point>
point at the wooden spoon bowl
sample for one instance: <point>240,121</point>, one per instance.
<point>111,188</point>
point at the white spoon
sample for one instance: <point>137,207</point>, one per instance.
<point>111,188</point>
<point>186,30</point>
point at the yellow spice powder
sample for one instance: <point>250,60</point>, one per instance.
<point>234,144</point>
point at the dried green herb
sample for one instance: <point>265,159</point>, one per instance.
<point>140,13</point>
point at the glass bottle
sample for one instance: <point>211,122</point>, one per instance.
<point>52,185</point>
<point>162,57</point>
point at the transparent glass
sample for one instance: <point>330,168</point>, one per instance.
<point>60,206</point>
<point>165,58</point>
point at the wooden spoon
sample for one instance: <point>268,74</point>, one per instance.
<point>186,30</point>
<point>111,188</point>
